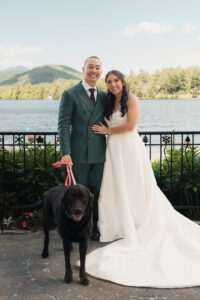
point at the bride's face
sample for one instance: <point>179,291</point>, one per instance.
<point>114,84</point>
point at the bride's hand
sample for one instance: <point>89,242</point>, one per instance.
<point>100,129</point>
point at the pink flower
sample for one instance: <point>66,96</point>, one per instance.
<point>6,148</point>
<point>31,138</point>
<point>31,214</point>
<point>24,224</point>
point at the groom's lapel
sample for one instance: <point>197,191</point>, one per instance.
<point>84,99</point>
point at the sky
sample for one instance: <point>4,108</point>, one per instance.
<point>128,35</point>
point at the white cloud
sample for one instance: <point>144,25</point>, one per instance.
<point>198,37</point>
<point>17,50</point>
<point>147,27</point>
<point>189,27</point>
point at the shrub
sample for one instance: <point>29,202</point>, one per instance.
<point>27,174</point>
<point>179,177</point>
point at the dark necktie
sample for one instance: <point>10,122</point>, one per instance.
<point>92,97</point>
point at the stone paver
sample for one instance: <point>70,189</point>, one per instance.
<point>24,275</point>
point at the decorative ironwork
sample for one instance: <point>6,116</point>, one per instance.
<point>40,140</point>
<point>187,140</point>
<point>145,139</point>
<point>187,145</point>
<point>156,144</point>
<point>19,139</point>
<point>166,139</point>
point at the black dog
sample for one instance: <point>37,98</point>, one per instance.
<point>72,210</point>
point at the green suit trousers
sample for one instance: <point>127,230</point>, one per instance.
<point>90,175</point>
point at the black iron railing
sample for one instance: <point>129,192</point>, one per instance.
<point>175,159</point>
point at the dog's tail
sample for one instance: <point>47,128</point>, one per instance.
<point>28,208</point>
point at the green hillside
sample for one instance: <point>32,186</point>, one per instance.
<point>11,72</point>
<point>44,74</point>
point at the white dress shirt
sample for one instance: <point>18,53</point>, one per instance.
<point>87,87</point>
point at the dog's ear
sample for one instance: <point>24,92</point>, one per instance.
<point>64,198</point>
<point>91,197</point>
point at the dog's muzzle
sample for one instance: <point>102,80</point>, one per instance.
<point>77,215</point>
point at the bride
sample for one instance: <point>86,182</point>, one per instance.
<point>154,245</point>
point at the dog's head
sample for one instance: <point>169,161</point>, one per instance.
<point>77,201</point>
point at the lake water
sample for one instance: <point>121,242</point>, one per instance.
<point>156,115</point>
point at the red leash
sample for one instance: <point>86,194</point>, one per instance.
<point>70,175</point>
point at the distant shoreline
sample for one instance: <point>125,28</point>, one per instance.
<point>50,81</point>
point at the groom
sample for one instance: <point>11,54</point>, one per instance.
<point>81,107</point>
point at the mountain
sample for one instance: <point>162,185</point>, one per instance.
<point>17,68</point>
<point>11,72</point>
<point>44,74</point>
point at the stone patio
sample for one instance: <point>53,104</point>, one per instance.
<point>25,275</point>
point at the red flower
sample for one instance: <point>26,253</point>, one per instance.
<point>24,224</point>
<point>31,214</point>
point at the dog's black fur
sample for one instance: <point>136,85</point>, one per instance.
<point>72,210</point>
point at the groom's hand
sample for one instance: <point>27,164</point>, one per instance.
<point>67,158</point>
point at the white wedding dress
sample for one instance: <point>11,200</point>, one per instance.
<point>156,246</point>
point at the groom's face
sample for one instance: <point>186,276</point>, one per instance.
<point>92,71</point>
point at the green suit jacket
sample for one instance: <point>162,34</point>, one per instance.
<point>77,114</point>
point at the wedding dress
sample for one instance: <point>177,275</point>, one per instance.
<point>156,246</point>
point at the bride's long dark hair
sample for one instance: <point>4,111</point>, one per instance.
<point>111,97</point>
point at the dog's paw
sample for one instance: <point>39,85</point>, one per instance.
<point>45,254</point>
<point>85,281</point>
<point>68,278</point>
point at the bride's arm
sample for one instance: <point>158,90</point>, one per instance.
<point>132,118</point>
